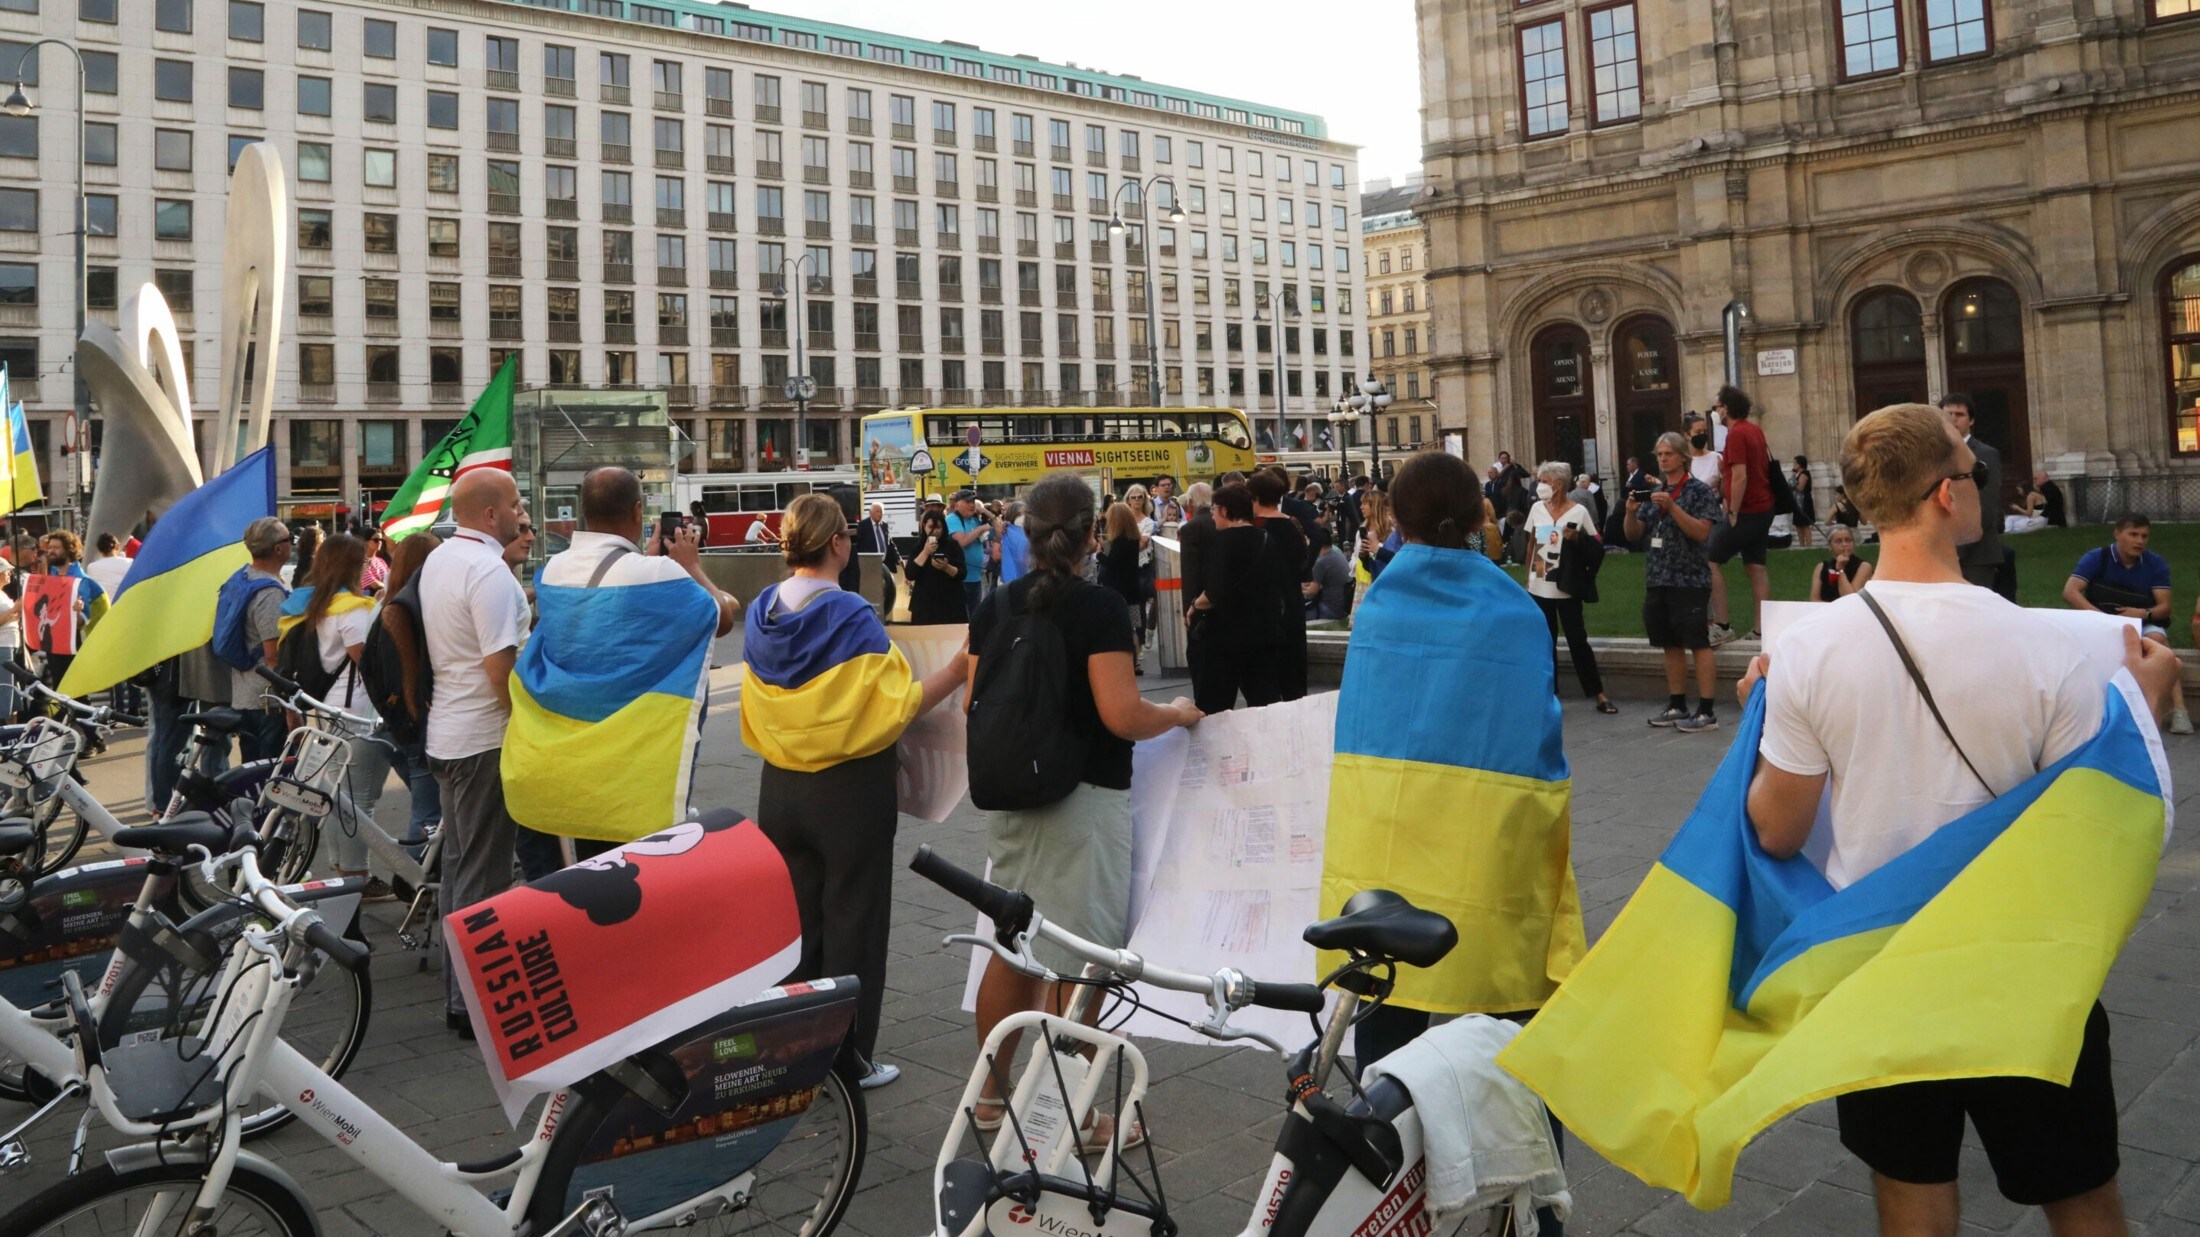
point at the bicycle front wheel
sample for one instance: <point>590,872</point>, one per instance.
<point>155,1201</point>
<point>792,1176</point>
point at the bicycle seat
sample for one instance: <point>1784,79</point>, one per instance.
<point>214,721</point>
<point>16,838</point>
<point>176,836</point>
<point>1377,921</point>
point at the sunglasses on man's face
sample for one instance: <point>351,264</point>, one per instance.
<point>1976,476</point>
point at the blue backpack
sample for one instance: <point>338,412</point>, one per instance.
<point>231,643</point>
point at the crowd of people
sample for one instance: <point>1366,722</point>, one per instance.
<point>1058,589</point>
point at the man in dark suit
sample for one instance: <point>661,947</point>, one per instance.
<point>871,537</point>
<point>1195,549</point>
<point>1982,558</point>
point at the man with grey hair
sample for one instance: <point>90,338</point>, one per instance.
<point>268,541</point>
<point>871,537</point>
<point>1677,515</point>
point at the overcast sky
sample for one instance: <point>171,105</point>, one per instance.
<point>1353,67</point>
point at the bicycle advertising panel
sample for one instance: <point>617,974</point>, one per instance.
<point>602,959</point>
<point>751,1074</point>
<point>68,923</point>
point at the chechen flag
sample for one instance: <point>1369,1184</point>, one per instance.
<point>600,960</point>
<point>483,439</point>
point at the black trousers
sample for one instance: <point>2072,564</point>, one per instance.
<point>1222,667</point>
<point>835,828</point>
<point>1566,612</point>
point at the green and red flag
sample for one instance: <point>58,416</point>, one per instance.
<point>483,439</point>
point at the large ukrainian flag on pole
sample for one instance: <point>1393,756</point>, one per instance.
<point>165,605</point>
<point>1450,784</point>
<point>1736,988</point>
<point>607,708</point>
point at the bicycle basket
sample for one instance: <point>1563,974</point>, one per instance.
<point>46,749</point>
<point>312,768</point>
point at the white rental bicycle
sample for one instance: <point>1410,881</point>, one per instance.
<point>750,1121</point>
<point>1341,1169</point>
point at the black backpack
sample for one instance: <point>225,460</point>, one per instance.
<point>298,658</point>
<point>1023,753</point>
<point>393,656</point>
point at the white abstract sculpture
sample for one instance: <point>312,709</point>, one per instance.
<point>151,457</point>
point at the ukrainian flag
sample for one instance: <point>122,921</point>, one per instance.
<point>300,599</point>
<point>1450,784</point>
<point>165,605</point>
<point>822,684</point>
<point>21,461</point>
<point>607,708</point>
<point>1736,988</point>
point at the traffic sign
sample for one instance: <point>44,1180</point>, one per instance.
<point>800,386</point>
<point>920,462</point>
<point>972,437</point>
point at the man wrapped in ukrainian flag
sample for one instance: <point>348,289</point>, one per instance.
<point>1450,785</point>
<point>1902,890</point>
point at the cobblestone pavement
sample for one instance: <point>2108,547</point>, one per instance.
<point>1216,1110</point>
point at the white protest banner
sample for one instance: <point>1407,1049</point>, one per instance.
<point>1228,823</point>
<point>934,769</point>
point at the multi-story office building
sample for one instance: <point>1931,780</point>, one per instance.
<point>2000,197</point>
<point>668,195</point>
<point>1394,253</point>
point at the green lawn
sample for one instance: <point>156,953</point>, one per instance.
<point>2044,560</point>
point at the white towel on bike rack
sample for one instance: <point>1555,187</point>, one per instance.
<point>1486,1137</point>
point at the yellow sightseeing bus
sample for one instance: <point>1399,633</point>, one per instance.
<point>1111,447</point>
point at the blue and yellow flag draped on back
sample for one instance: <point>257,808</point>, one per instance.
<point>1736,988</point>
<point>822,684</point>
<point>1450,784</point>
<point>607,708</point>
<point>165,605</point>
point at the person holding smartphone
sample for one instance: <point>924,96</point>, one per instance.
<point>936,574</point>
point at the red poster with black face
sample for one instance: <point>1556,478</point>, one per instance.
<point>600,960</point>
<point>49,613</point>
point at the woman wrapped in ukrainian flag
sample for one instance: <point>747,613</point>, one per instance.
<point>824,696</point>
<point>1450,785</point>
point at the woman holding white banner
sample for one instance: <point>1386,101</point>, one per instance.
<point>1067,844</point>
<point>824,697</point>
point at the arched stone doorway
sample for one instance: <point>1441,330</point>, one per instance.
<point>1982,326</point>
<point>1887,350</point>
<point>1646,386</point>
<point>1565,414</point>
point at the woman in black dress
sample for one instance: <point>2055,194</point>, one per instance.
<point>1806,507</point>
<point>935,575</point>
<point>1119,572</point>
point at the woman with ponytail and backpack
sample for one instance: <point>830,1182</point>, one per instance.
<point>1054,708</point>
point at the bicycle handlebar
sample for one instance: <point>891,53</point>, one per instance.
<point>93,714</point>
<point>301,924</point>
<point>1015,917</point>
<point>295,698</point>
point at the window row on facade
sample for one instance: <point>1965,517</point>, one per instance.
<point>1590,60</point>
<point>379,39</point>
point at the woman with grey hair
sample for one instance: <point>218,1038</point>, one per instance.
<point>1563,557</point>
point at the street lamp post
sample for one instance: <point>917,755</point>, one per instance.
<point>1372,398</point>
<point>1116,227</point>
<point>18,104</point>
<point>800,387</point>
<point>1340,423</point>
<point>1282,308</point>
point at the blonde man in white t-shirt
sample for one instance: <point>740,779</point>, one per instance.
<point>1843,710</point>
